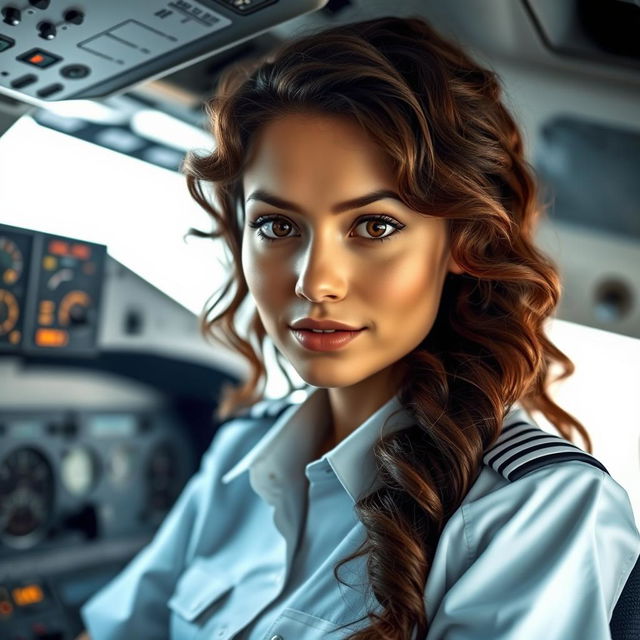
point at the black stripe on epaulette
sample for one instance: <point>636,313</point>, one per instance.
<point>523,447</point>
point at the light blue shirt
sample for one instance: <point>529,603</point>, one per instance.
<point>249,548</point>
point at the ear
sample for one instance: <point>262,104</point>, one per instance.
<point>454,267</point>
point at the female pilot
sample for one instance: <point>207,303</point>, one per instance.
<point>373,194</point>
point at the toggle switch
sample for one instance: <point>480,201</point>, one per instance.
<point>47,30</point>
<point>23,81</point>
<point>11,16</point>
<point>73,16</point>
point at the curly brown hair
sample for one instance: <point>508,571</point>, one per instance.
<point>458,154</point>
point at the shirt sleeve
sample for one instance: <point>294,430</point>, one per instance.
<point>134,603</point>
<point>549,555</point>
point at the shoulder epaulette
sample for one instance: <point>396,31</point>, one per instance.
<point>271,408</point>
<point>523,447</point>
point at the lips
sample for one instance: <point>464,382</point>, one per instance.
<point>310,323</point>
<point>315,341</point>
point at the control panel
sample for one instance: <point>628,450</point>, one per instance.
<point>69,475</point>
<point>63,49</point>
<point>80,493</point>
<point>50,292</point>
<point>106,407</point>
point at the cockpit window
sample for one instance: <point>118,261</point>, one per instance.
<point>590,171</point>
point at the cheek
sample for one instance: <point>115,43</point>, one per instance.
<point>406,287</point>
<point>251,268</point>
<point>265,278</point>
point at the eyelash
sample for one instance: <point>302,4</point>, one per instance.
<point>259,222</point>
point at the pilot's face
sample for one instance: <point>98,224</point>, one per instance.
<point>330,266</point>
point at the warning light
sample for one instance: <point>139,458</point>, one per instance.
<point>39,58</point>
<point>51,338</point>
<point>5,608</point>
<point>49,263</point>
<point>10,276</point>
<point>81,251</point>
<point>58,247</point>
<point>30,594</point>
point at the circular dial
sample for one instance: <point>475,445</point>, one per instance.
<point>78,471</point>
<point>74,308</point>
<point>11,261</point>
<point>26,497</point>
<point>9,311</point>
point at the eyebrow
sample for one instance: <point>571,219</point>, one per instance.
<point>355,203</point>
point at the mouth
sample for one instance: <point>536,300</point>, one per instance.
<point>325,341</point>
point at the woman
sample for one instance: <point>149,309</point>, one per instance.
<point>370,175</point>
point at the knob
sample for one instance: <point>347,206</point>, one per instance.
<point>12,16</point>
<point>73,16</point>
<point>78,314</point>
<point>40,4</point>
<point>47,30</point>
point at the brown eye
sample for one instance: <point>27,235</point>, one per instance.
<point>376,228</point>
<point>277,228</point>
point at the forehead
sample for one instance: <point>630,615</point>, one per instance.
<point>321,151</point>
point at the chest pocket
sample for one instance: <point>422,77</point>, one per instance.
<point>199,592</point>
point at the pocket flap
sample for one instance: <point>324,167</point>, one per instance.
<point>196,589</point>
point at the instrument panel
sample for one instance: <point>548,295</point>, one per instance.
<point>99,429</point>
<point>86,474</point>
<point>50,292</point>
<point>80,493</point>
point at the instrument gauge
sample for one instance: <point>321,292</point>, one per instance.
<point>26,497</point>
<point>11,261</point>
<point>9,312</point>
<point>78,471</point>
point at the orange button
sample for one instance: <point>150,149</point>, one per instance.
<point>81,251</point>
<point>51,338</point>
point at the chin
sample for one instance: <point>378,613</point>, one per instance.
<point>327,374</point>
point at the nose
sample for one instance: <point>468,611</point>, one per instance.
<point>322,274</point>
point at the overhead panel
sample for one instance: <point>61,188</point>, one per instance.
<point>54,50</point>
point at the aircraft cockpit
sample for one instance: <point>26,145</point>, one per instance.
<point>108,389</point>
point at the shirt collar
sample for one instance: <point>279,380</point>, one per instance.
<point>287,447</point>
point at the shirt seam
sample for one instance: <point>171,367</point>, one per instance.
<point>629,560</point>
<point>466,529</point>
